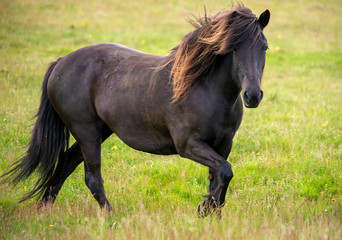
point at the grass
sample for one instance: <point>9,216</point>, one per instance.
<point>286,156</point>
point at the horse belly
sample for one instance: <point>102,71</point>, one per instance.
<point>136,125</point>
<point>145,140</point>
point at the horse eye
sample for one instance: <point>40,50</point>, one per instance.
<point>235,49</point>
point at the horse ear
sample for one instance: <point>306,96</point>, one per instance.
<point>264,18</point>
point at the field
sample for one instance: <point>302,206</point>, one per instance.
<point>286,157</point>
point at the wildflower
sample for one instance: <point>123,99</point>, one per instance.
<point>277,49</point>
<point>257,154</point>
<point>90,35</point>
<point>333,199</point>
<point>51,225</point>
<point>114,147</point>
<point>325,123</point>
<point>268,206</point>
<point>4,120</point>
<point>142,41</point>
<point>279,37</point>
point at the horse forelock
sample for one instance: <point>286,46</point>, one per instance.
<point>196,55</point>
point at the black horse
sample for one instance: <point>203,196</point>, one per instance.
<point>186,103</point>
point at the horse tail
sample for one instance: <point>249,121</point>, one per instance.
<point>49,140</point>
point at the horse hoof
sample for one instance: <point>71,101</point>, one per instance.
<point>208,207</point>
<point>107,207</point>
<point>203,210</point>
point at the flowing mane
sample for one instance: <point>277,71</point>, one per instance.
<point>196,55</point>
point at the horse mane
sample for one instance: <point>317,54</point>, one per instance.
<point>197,53</point>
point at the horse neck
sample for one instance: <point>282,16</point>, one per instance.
<point>224,81</point>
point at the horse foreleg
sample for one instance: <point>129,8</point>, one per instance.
<point>220,170</point>
<point>224,151</point>
<point>219,182</point>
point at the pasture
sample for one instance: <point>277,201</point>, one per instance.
<point>286,156</point>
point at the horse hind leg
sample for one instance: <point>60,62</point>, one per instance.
<point>67,163</point>
<point>92,168</point>
<point>89,137</point>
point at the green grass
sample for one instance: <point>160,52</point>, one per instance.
<point>286,156</point>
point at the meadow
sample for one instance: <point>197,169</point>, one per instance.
<point>286,156</point>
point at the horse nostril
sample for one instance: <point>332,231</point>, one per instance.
<point>252,98</point>
<point>246,95</point>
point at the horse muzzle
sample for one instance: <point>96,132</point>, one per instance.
<point>252,98</point>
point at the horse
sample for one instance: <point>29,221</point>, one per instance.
<point>188,102</point>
